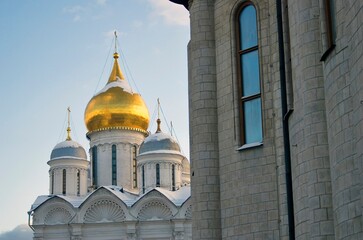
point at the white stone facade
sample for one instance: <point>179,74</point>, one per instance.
<point>75,210</point>
<point>76,175</point>
<point>148,162</point>
<point>125,141</point>
<point>108,213</point>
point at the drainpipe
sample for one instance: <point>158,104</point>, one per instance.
<point>285,124</point>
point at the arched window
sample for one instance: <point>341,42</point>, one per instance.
<point>158,175</point>
<point>134,166</point>
<point>64,181</point>
<point>249,77</point>
<point>94,166</point>
<point>78,182</point>
<point>114,168</point>
<point>52,183</point>
<point>173,177</point>
<point>143,178</point>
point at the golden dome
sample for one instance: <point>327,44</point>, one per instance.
<point>116,106</point>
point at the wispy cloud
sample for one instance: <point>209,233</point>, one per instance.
<point>21,232</point>
<point>172,14</point>
<point>137,24</point>
<point>101,2</point>
<point>75,11</point>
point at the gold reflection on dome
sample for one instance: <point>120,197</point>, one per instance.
<point>116,106</point>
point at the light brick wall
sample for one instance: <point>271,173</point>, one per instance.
<point>309,145</point>
<point>246,189</point>
<point>248,181</point>
<point>203,124</point>
<point>344,111</point>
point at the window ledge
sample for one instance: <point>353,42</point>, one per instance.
<point>250,145</point>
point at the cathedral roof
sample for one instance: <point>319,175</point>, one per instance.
<point>68,149</point>
<point>178,197</point>
<point>116,106</point>
<point>159,142</point>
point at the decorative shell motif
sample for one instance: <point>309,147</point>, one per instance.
<point>188,212</point>
<point>104,211</point>
<point>155,211</point>
<point>57,215</point>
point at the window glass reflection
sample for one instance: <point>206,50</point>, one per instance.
<point>250,74</point>
<point>248,28</point>
<point>253,121</point>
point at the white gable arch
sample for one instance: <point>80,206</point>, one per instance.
<point>154,206</point>
<point>154,210</point>
<point>53,211</point>
<point>104,210</point>
<point>103,206</point>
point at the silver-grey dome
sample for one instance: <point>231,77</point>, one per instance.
<point>68,149</point>
<point>159,142</point>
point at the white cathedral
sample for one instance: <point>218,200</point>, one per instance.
<point>135,186</point>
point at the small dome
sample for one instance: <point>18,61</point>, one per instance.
<point>159,141</point>
<point>68,149</point>
<point>116,106</point>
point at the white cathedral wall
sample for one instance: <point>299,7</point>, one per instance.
<point>165,161</point>
<point>71,166</point>
<point>159,230</point>
<point>124,140</point>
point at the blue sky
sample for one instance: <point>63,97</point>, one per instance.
<point>52,55</point>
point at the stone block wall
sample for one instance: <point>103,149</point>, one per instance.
<point>241,194</point>
<point>344,110</point>
<point>203,124</point>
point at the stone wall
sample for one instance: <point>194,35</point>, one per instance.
<point>241,194</point>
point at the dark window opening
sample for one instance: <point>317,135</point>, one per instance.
<point>114,167</point>
<point>157,175</point>
<point>78,182</point>
<point>64,181</point>
<point>173,177</point>
<point>94,166</point>
<point>143,179</point>
<point>134,166</point>
<point>52,186</point>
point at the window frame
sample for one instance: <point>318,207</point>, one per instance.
<point>241,98</point>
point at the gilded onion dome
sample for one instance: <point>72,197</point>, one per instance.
<point>116,106</point>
